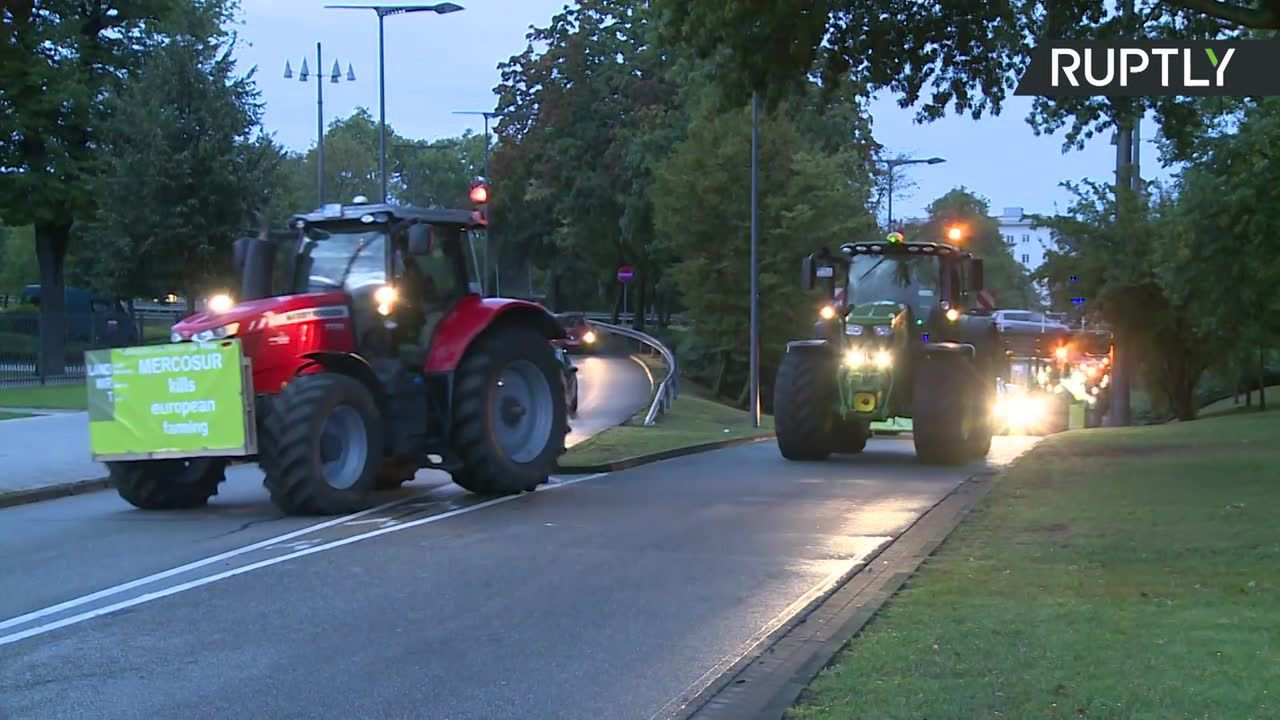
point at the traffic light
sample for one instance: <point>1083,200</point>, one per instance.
<point>480,192</point>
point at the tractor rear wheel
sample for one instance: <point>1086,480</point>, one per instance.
<point>325,435</point>
<point>509,412</point>
<point>803,416</point>
<point>168,484</point>
<point>945,423</point>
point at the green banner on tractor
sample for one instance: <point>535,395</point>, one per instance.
<point>169,401</point>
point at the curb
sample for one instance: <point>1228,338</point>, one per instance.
<point>631,462</point>
<point>770,677</point>
<point>50,492</point>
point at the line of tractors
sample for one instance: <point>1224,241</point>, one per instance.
<point>373,354</point>
<point>901,334</point>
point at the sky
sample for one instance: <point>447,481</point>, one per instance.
<point>439,64</point>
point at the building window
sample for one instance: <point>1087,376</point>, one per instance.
<point>1026,238</point>
<point>1026,259</point>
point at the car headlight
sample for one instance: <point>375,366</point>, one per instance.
<point>218,333</point>
<point>854,330</point>
<point>589,337</point>
<point>883,330</point>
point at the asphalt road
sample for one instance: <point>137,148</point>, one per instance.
<point>606,597</point>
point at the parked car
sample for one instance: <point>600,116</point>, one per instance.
<point>1026,320</point>
<point>579,335</point>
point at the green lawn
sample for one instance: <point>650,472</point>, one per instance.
<point>1116,573</point>
<point>59,397</point>
<point>1227,405</point>
<point>692,421</point>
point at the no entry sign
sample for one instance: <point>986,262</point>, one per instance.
<point>625,273</point>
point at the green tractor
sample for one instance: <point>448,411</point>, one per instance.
<point>893,340</point>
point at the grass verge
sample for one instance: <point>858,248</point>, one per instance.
<point>56,397</point>
<point>1118,573</point>
<point>692,421</point>
<point>13,415</point>
<point>1228,405</point>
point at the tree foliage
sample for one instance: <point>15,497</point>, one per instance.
<point>179,174</point>
<point>60,61</point>
<point>809,199</point>
<point>1005,277</point>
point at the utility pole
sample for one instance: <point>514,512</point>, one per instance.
<point>754,398</point>
<point>488,236</point>
<point>1126,178</point>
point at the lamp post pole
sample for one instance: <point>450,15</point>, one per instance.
<point>383,10</point>
<point>488,237</point>
<point>896,162</point>
<point>755,261</point>
<point>304,74</point>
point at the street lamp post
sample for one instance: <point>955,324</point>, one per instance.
<point>754,351</point>
<point>335,76</point>
<point>383,10</point>
<point>895,162</point>
<point>484,286</point>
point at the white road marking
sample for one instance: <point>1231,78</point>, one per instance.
<point>199,582</point>
<point>125,587</point>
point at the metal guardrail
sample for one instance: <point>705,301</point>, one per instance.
<point>669,388</point>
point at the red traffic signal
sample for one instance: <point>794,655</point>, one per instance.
<point>480,193</point>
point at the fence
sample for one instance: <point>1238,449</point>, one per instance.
<point>20,341</point>
<point>668,387</point>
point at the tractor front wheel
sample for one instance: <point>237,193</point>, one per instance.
<point>850,435</point>
<point>168,484</point>
<point>803,415</point>
<point>946,422</point>
<point>509,412</point>
<point>325,435</point>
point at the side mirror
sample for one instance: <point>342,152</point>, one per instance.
<point>420,239</point>
<point>976,279</point>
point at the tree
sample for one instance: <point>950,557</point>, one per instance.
<point>957,56</point>
<point>593,87</point>
<point>1119,260</point>
<point>179,174</point>
<point>701,196</point>
<point>18,266</point>
<point>59,62</point>
<point>1221,257</point>
<point>1005,277</point>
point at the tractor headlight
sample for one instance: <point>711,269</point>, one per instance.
<point>175,337</point>
<point>856,358</point>
<point>884,359</point>
<point>827,312</point>
<point>385,296</point>
<point>218,333</point>
<point>220,303</point>
<point>854,330</point>
<point>882,330</point>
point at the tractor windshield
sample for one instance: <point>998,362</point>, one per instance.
<point>910,280</point>
<point>341,258</point>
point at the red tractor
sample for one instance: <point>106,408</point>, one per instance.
<point>373,354</point>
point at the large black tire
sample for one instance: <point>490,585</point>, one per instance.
<point>315,422</point>
<point>850,435</point>
<point>508,442</point>
<point>803,417</point>
<point>168,484</point>
<point>945,418</point>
